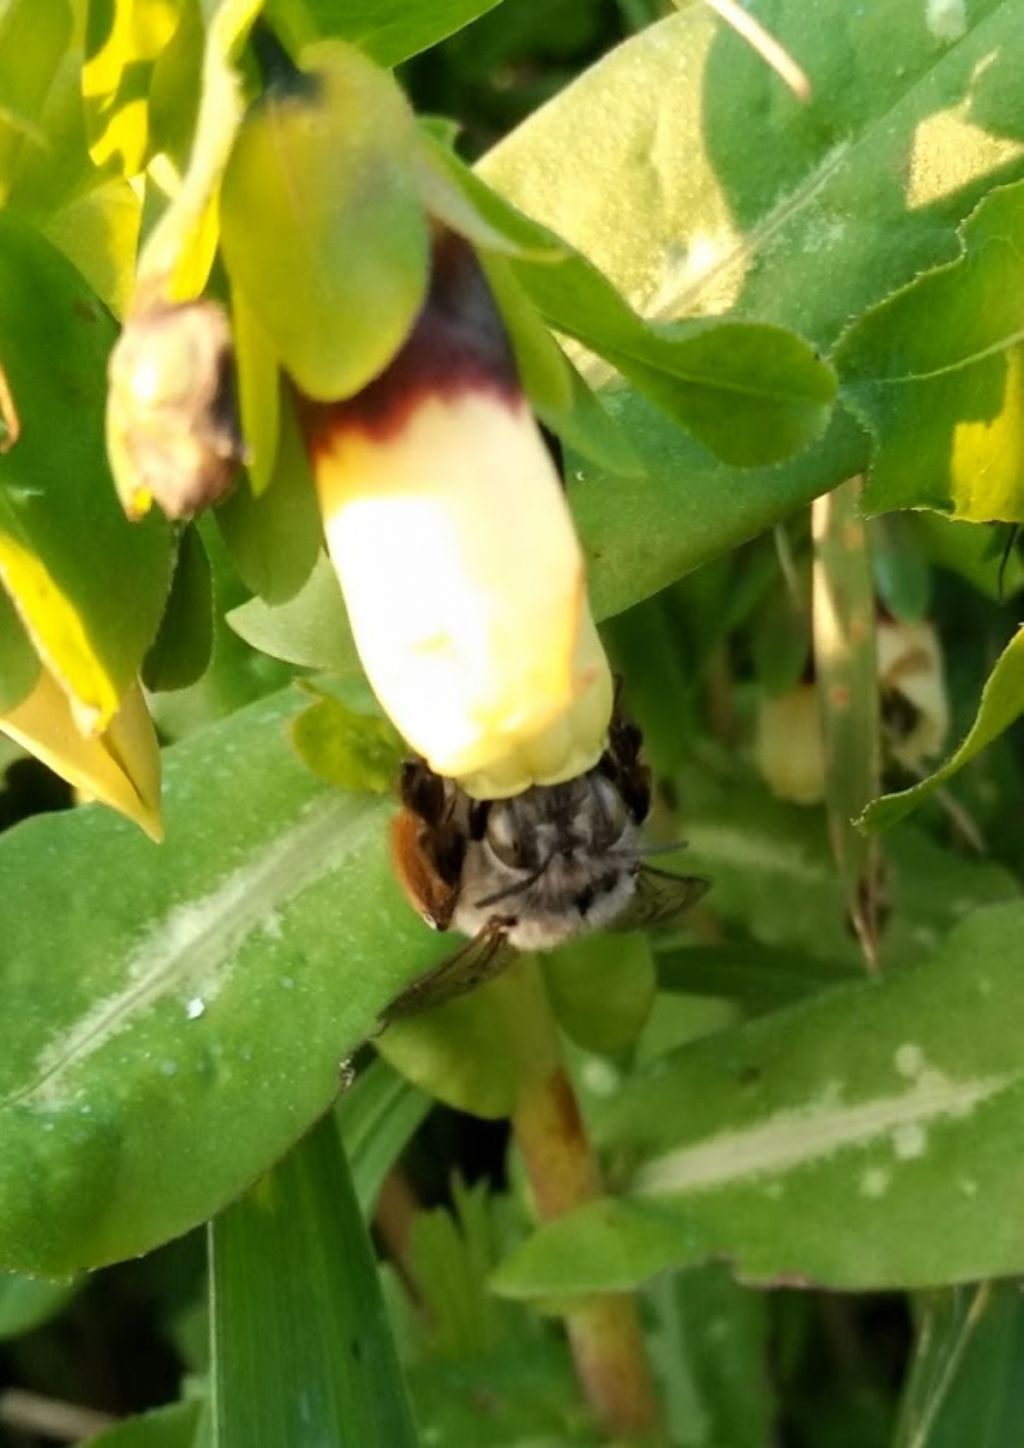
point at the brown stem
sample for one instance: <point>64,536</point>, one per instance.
<point>396,1210</point>
<point>604,1330</point>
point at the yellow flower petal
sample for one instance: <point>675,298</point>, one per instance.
<point>119,767</point>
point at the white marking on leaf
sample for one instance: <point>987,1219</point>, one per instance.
<point>808,1135</point>
<point>194,945</point>
<point>874,1182</point>
<point>946,19</point>
<point>909,1059</point>
<point>909,1140</point>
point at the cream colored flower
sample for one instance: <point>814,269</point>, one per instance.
<point>464,580</point>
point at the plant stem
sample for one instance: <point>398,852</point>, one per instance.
<point>604,1330</point>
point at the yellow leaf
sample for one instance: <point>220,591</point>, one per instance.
<point>120,767</point>
<point>59,635</point>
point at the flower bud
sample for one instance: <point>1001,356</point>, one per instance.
<point>448,527</point>
<point>915,707</point>
<point>173,434</point>
<point>789,746</point>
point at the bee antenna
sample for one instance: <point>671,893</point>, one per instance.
<point>518,887</point>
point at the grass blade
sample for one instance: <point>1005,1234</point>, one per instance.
<point>302,1351</point>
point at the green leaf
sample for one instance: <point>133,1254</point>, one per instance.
<point>1002,702</point>
<point>377,1116</point>
<point>274,538</point>
<point>971,552</point>
<point>311,629</point>
<point>602,989</point>
<point>859,190</point>
<point>773,877</point>
<point>259,393</point>
<point>321,225</point>
<point>28,1302</point>
<point>175,262</point>
<point>389,31</point>
<point>780,642</point>
<point>752,394</point>
<point>19,662</point>
<point>936,372</point>
<point>523,1395</point>
<point>32,43</point>
<point>474,1052</point>
<point>965,1383</point>
<point>98,232</point>
<point>123,40</point>
<point>641,534</point>
<point>759,977</point>
<point>180,653</point>
<point>347,749</point>
<point>301,1346</point>
<point>903,575</point>
<point>175,1426</point>
<point>557,392</point>
<point>711,1342</point>
<point>192,1033</point>
<point>868,1112</point>
<point>90,586</point>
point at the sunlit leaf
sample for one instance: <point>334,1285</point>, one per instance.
<point>120,766</point>
<point>752,394</point>
<point>89,587</point>
<point>32,41</point>
<point>937,372</point>
<point>123,40</point>
<point>178,253</point>
<point>321,227</point>
<point>389,31</point>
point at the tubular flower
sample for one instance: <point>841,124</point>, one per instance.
<point>449,530</point>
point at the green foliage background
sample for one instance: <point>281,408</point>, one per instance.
<point>755,299</point>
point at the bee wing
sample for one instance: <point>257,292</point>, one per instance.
<point>473,964</point>
<point>661,898</point>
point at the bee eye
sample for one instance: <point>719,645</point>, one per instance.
<point>503,836</point>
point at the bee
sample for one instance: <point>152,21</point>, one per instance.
<point>532,872</point>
